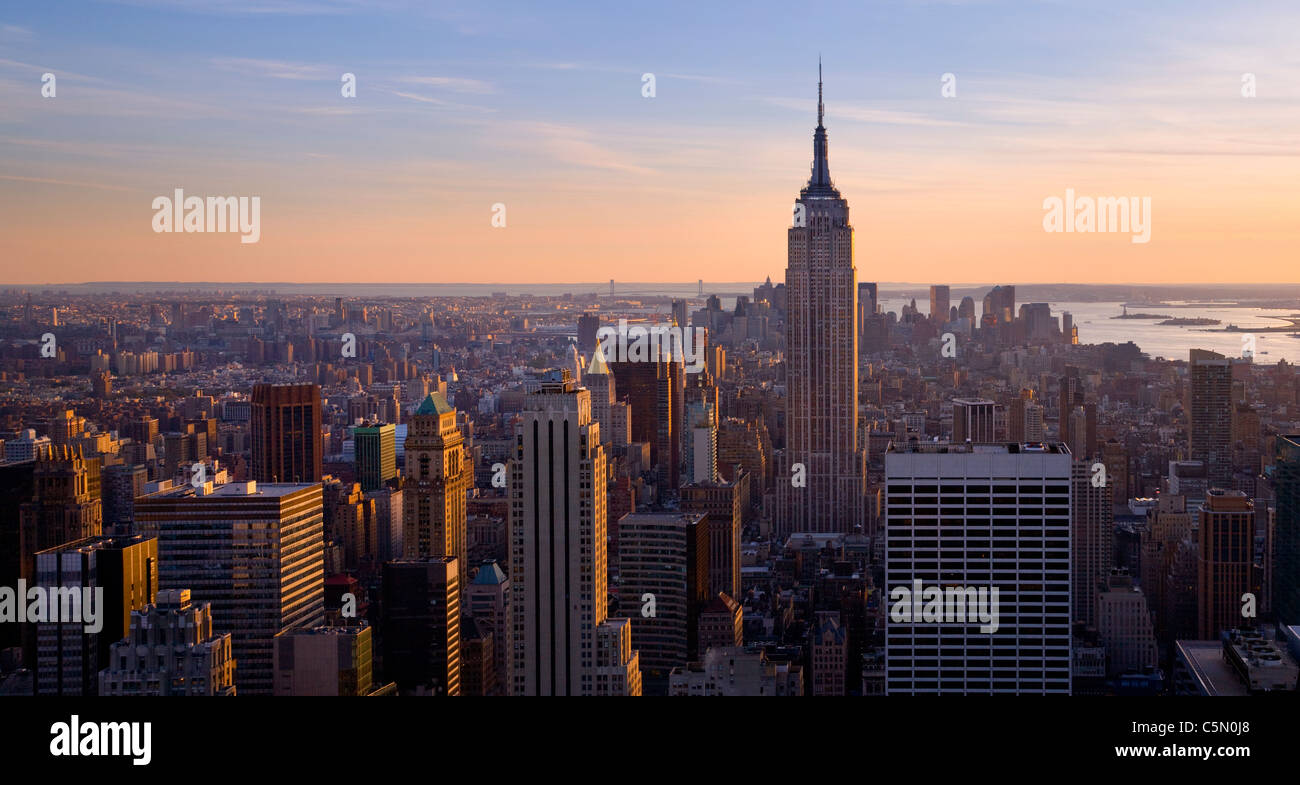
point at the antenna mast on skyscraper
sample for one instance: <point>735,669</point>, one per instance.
<point>820,108</point>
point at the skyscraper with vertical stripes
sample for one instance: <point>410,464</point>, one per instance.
<point>558,554</point>
<point>821,359</point>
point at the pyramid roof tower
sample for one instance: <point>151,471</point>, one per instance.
<point>597,364</point>
<point>489,574</point>
<point>435,403</point>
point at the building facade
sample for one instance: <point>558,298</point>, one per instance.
<point>255,551</point>
<point>436,483</point>
<point>971,518</point>
<point>821,360</point>
<point>558,559</point>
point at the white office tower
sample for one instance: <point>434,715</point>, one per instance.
<point>700,455</point>
<point>558,565</point>
<point>961,522</point>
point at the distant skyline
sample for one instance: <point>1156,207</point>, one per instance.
<point>459,108</point>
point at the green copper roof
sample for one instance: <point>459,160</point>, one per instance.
<point>435,403</point>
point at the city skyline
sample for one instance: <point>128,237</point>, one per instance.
<point>790,480</point>
<point>458,110</point>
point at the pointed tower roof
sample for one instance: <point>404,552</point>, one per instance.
<point>435,403</point>
<point>597,364</point>
<point>819,184</point>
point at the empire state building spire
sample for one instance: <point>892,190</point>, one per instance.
<point>819,184</point>
<point>821,109</point>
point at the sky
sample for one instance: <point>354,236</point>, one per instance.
<point>540,108</point>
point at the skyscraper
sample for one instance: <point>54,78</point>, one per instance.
<point>1209,424</point>
<point>1224,569</point>
<point>1016,417</point>
<point>436,483</point>
<point>1092,551</point>
<point>1169,524</point>
<point>939,296</point>
<point>1073,408</point>
<point>663,560</point>
<point>822,354</point>
<point>17,485</point>
<point>700,455</point>
<point>973,421</point>
<point>376,451</point>
<point>680,317</point>
<point>720,501</point>
<point>421,625</point>
<point>124,570</point>
<point>121,484</point>
<point>1000,305</point>
<point>1286,538</point>
<point>558,559</point>
<point>63,508</point>
<point>966,518</point>
<point>655,391</point>
<point>600,382</point>
<point>588,327</point>
<point>254,550</point>
<point>286,433</point>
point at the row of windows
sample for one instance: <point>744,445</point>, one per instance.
<point>959,489</point>
<point>901,644</point>
<point>974,686</point>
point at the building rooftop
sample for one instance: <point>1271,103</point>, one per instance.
<point>1208,668</point>
<point>435,403</point>
<point>489,574</point>
<point>228,490</point>
<point>1002,448</point>
<point>597,365</point>
<point>357,625</point>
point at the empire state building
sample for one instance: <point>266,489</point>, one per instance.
<point>822,360</point>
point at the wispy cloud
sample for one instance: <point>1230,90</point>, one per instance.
<point>453,83</point>
<point>428,99</point>
<point>264,7</point>
<point>73,183</point>
<point>274,69</point>
<point>571,145</point>
<point>11,34</point>
<point>718,80</point>
<point>327,111</point>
